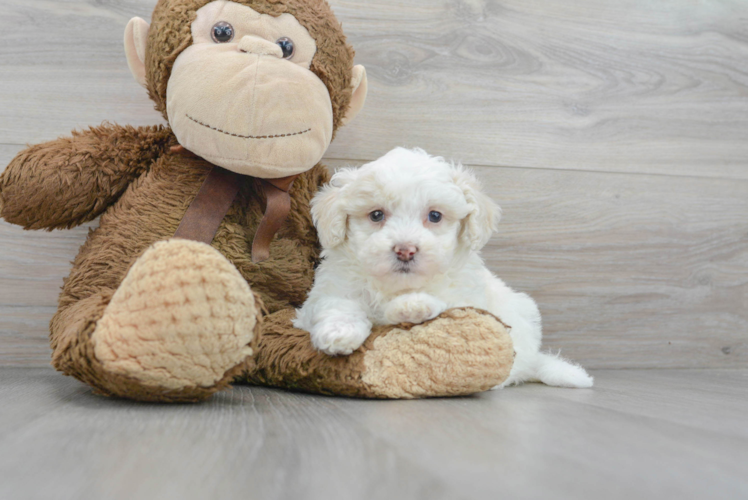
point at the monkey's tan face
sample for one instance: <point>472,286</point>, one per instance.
<point>243,97</point>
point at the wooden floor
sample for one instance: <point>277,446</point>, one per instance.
<point>659,434</point>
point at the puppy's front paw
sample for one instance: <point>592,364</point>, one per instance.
<point>413,308</point>
<point>340,336</point>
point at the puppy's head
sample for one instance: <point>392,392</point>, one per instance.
<point>404,217</point>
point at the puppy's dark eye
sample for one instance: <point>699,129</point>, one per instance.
<point>287,46</point>
<point>377,216</point>
<point>222,32</point>
<point>435,216</point>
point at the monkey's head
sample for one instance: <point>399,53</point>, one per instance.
<point>258,87</point>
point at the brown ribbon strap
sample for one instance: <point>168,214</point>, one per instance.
<point>213,201</point>
<point>276,210</point>
<point>210,206</point>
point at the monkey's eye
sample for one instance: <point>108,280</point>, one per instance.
<point>376,216</point>
<point>287,46</point>
<point>222,32</point>
<point>435,217</point>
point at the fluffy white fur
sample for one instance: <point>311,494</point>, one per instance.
<point>361,281</point>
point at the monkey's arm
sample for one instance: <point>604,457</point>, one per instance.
<point>64,183</point>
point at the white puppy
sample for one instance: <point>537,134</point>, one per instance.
<point>400,240</point>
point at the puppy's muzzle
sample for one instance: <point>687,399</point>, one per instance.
<point>405,253</point>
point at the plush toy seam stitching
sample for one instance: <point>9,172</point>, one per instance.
<point>248,136</point>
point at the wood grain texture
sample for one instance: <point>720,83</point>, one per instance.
<point>625,86</point>
<point>63,66</point>
<point>680,434</point>
<point>24,335</point>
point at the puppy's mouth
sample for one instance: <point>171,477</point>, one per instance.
<point>404,267</point>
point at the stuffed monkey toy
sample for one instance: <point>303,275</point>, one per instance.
<point>206,244</point>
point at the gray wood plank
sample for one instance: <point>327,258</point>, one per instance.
<point>629,86</point>
<point>242,444</point>
<point>711,400</point>
<point>637,434</point>
<point>24,335</point>
<point>32,263</point>
<point>592,85</point>
<point>63,67</point>
<point>556,447</point>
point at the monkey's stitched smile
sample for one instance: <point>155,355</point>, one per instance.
<point>247,136</point>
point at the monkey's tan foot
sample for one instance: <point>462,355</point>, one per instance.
<point>178,327</point>
<point>460,352</point>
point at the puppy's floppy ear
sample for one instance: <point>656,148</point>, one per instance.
<point>327,209</point>
<point>483,219</point>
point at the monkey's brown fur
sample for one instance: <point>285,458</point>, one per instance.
<point>141,191</point>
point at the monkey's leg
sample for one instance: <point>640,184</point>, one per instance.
<point>463,351</point>
<point>178,328</point>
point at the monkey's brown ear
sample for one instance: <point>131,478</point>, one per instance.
<point>360,87</point>
<point>136,41</point>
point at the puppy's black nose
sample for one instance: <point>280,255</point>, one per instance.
<point>405,253</point>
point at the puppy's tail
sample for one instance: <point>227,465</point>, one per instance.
<point>552,369</point>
